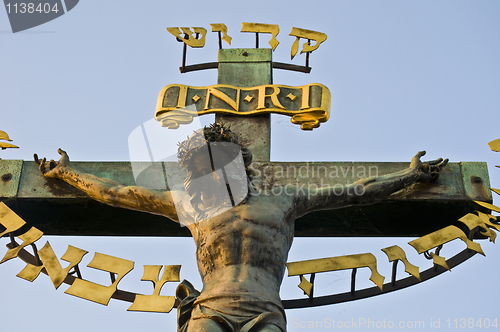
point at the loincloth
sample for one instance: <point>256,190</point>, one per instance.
<point>236,312</point>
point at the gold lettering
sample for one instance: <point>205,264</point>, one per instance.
<point>472,222</point>
<point>273,29</point>
<point>305,97</point>
<point>156,302</point>
<point>336,264</point>
<point>192,40</point>
<point>30,272</point>
<point>170,110</point>
<point>99,293</point>
<point>12,222</point>
<point>181,100</point>
<point>51,264</point>
<point>394,253</point>
<point>440,237</point>
<point>222,96</point>
<point>221,27</point>
<point>29,237</point>
<point>495,145</point>
<point>319,37</point>
<point>488,206</point>
<point>9,219</point>
<point>261,104</point>
<point>486,219</point>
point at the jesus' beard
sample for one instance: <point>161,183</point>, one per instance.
<point>211,191</point>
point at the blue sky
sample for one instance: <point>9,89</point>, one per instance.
<point>404,76</point>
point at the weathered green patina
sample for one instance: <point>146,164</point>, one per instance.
<point>242,247</point>
<point>416,211</point>
<point>246,68</point>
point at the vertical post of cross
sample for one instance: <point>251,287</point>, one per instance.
<point>248,68</point>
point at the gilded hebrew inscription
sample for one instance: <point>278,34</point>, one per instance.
<point>156,302</point>
<point>336,264</point>
<point>221,27</point>
<point>396,253</point>
<point>318,37</point>
<point>28,238</point>
<point>441,237</point>
<point>473,221</point>
<point>196,37</point>
<point>50,262</point>
<point>273,29</point>
<point>99,293</point>
<point>11,221</point>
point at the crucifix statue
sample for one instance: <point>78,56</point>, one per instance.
<point>243,233</point>
<point>242,242</point>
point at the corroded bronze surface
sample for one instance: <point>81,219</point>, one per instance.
<point>242,247</point>
<point>426,207</point>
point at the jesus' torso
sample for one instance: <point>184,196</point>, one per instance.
<point>244,250</point>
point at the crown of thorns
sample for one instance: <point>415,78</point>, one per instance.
<point>216,132</point>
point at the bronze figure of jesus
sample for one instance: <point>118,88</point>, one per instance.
<point>242,238</point>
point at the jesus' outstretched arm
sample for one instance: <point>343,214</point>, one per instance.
<point>369,190</point>
<point>108,191</point>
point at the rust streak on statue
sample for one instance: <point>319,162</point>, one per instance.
<point>242,236</point>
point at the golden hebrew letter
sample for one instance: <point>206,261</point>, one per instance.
<point>29,237</point>
<point>99,293</point>
<point>395,253</point>
<point>192,41</point>
<point>319,37</point>
<point>495,145</point>
<point>12,222</point>
<point>336,264</point>
<point>216,27</point>
<point>30,272</point>
<point>488,205</point>
<point>9,219</point>
<point>472,221</point>
<point>156,302</point>
<point>440,237</point>
<point>486,219</point>
<point>4,136</point>
<point>273,29</point>
<point>51,264</point>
